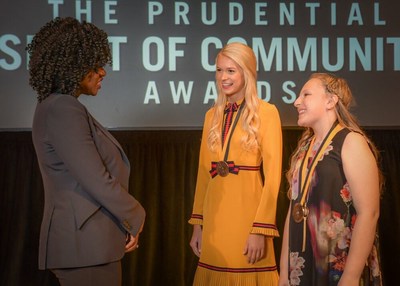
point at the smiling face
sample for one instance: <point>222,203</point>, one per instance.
<point>312,104</point>
<point>230,78</point>
<point>91,83</point>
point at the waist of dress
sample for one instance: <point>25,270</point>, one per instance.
<point>231,168</point>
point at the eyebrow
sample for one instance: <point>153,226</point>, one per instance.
<point>230,68</point>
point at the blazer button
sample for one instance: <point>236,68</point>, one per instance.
<point>127,225</point>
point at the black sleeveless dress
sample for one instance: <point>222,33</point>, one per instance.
<point>329,225</point>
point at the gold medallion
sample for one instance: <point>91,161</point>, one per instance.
<point>299,212</point>
<point>222,168</point>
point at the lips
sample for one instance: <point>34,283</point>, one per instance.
<point>226,85</point>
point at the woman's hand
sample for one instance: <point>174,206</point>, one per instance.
<point>254,248</point>
<point>132,242</point>
<point>195,242</point>
<point>349,281</point>
<point>283,281</point>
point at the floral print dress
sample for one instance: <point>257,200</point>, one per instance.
<point>329,225</point>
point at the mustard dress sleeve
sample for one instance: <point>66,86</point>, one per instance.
<point>271,152</point>
<point>203,174</point>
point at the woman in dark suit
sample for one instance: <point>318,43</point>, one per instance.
<point>90,220</point>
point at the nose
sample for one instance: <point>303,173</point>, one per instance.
<point>224,75</point>
<point>297,102</point>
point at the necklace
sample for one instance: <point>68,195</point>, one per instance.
<point>300,210</point>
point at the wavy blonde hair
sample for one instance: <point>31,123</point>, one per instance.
<point>334,86</point>
<point>244,57</point>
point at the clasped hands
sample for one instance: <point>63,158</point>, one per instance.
<point>132,242</point>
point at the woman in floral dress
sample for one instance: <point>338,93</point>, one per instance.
<point>330,230</point>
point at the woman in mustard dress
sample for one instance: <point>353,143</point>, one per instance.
<point>234,208</point>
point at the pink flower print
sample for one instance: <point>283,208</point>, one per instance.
<point>353,220</point>
<point>295,178</point>
<point>338,261</point>
<point>345,194</point>
<point>317,223</point>
<point>336,215</point>
<point>294,189</point>
<point>344,239</point>
<point>373,262</point>
<point>334,227</point>
<point>327,150</point>
<point>296,264</point>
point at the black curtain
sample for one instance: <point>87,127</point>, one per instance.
<point>163,178</point>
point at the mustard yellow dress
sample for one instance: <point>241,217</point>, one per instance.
<point>230,208</point>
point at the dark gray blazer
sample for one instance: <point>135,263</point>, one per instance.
<point>85,172</point>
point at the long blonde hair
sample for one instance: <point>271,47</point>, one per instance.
<point>335,86</point>
<point>244,57</point>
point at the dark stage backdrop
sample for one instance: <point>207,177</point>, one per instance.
<point>164,168</point>
<point>163,55</point>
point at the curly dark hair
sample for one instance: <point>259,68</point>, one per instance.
<point>62,53</point>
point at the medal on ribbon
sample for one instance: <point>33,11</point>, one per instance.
<point>222,168</point>
<point>299,212</point>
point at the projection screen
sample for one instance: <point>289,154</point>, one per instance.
<point>162,75</point>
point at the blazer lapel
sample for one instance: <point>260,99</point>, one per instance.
<point>98,126</point>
